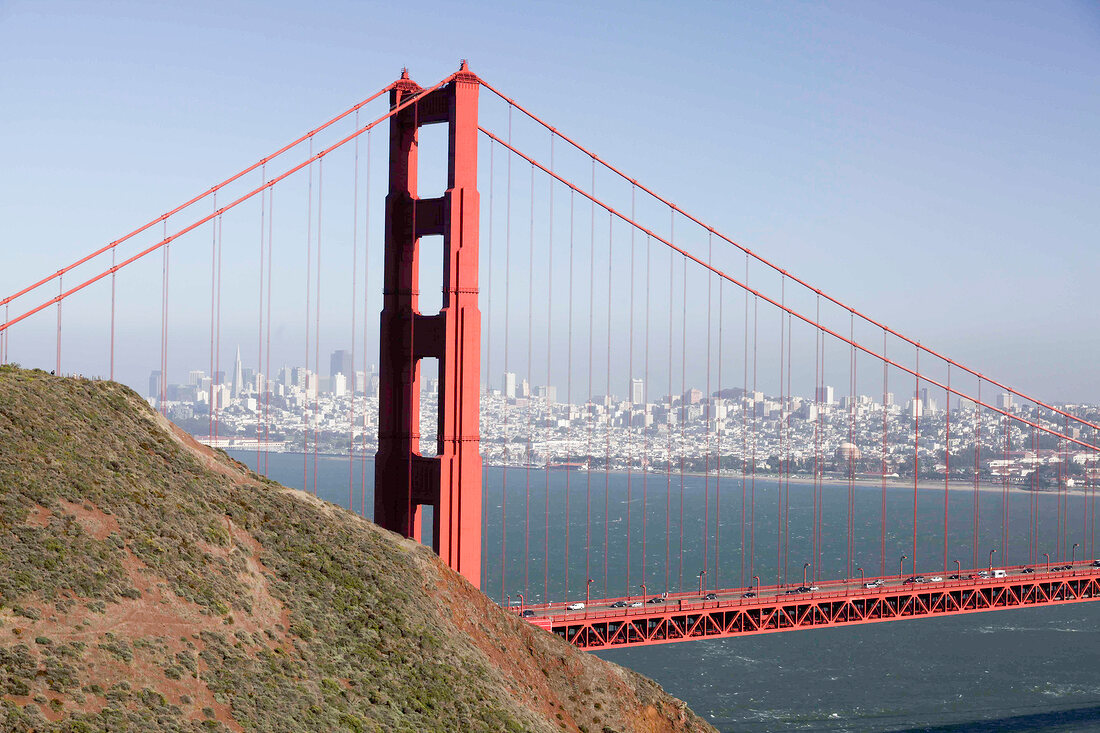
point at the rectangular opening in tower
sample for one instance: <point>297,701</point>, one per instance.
<point>430,276</point>
<point>427,524</point>
<point>429,406</point>
<point>432,142</point>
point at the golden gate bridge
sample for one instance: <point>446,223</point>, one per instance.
<point>592,278</point>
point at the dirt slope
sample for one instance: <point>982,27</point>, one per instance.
<point>149,583</point>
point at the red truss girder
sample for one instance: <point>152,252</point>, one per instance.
<point>719,619</point>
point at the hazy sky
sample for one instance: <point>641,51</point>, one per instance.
<point>935,164</point>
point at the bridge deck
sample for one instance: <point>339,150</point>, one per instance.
<point>688,616</point>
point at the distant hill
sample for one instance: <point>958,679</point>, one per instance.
<point>150,583</point>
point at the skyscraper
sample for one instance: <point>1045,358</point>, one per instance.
<point>637,391</point>
<point>341,363</point>
<point>238,378</point>
<point>509,385</point>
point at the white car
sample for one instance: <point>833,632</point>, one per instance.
<point>636,604</point>
<point>575,606</point>
<point>936,579</point>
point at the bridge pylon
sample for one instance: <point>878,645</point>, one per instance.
<point>450,482</point>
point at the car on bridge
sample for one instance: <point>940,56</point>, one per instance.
<point>575,607</point>
<point>618,604</point>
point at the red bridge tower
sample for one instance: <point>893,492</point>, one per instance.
<point>404,480</point>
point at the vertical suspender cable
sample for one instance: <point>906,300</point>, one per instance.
<point>163,388</point>
<point>305,364</point>
<point>569,383</point>
<point>260,326</point>
<point>113,273</point>
<point>507,405</point>
<point>668,421</point>
<point>1063,492</point>
<point>817,434</point>
<point>683,419</point>
<point>366,319</point>
<point>488,357</point>
<point>779,579</point>
<point>354,309</point>
<point>213,306</point>
<point>718,476</point>
<point>885,423</point>
<point>590,404</point>
<point>1091,489</point>
<point>752,491</point>
<point>527,458</point>
<point>546,392</point>
<point>569,390</point>
<point>977,468</point>
<point>607,422</point>
<point>629,423</point>
<point>820,424</point>
<point>787,480</point>
<point>709,417</point>
<point>1004,498</point>
<point>744,424</point>
<point>218,337</point>
<point>1033,501</point>
<point>946,463</point>
<point>267,345</point>
<point>645,416</point>
<point>851,459</point>
<point>213,290</point>
<point>60,291</point>
<point>917,407</point>
<point>167,281</point>
<point>488,352</point>
<point>317,329</point>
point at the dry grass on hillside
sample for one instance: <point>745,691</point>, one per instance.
<point>149,583</point>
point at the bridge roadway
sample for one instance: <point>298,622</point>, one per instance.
<point>636,621</point>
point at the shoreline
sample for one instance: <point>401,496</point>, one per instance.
<point>800,480</point>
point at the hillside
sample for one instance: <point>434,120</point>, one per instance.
<point>149,583</point>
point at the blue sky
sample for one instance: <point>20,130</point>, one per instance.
<point>934,164</point>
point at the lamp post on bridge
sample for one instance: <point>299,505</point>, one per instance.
<point>643,592</point>
<point>702,573</point>
<point>1073,554</point>
<point>991,559</point>
<point>862,578</point>
<point>508,605</point>
<point>805,565</point>
<point>520,597</point>
<point>1046,564</point>
<point>588,592</point>
<point>901,566</point>
<point>958,569</point>
<point>757,579</point>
